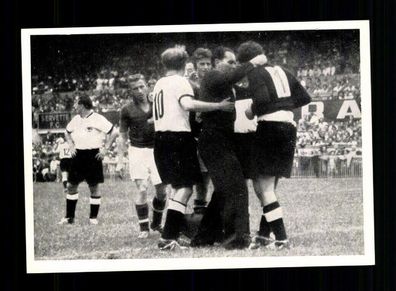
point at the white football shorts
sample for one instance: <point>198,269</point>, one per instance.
<point>142,164</point>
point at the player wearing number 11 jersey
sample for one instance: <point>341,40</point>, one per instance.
<point>275,93</point>
<point>174,145</point>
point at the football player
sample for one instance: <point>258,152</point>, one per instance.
<point>85,134</point>
<point>275,92</point>
<point>175,149</point>
<point>63,149</point>
<point>137,121</point>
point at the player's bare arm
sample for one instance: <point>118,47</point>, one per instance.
<point>234,76</point>
<point>70,141</point>
<point>190,104</point>
<point>259,60</point>
<point>110,137</point>
<point>218,78</point>
<point>121,148</point>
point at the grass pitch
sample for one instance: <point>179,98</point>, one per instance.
<point>323,217</point>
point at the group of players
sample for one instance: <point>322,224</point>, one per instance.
<point>194,130</point>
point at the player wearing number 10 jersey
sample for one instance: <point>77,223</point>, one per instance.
<point>174,145</point>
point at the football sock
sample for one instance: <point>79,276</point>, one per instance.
<point>274,216</point>
<point>174,219</point>
<point>276,182</point>
<point>199,204</point>
<point>71,202</point>
<point>64,179</point>
<point>158,209</point>
<point>264,229</point>
<point>95,204</point>
<point>142,211</point>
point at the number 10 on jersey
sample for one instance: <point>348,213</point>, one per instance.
<point>159,105</point>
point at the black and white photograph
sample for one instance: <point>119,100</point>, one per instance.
<point>209,146</point>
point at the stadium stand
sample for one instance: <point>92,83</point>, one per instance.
<point>326,65</point>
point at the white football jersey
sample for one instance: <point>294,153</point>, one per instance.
<point>64,151</point>
<point>242,124</point>
<point>89,132</point>
<point>168,113</point>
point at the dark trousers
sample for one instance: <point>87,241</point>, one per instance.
<point>230,198</point>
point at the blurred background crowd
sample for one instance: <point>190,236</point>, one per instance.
<point>326,63</point>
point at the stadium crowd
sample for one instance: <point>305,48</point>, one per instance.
<point>320,143</point>
<point>329,70</point>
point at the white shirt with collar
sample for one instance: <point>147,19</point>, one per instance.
<point>89,132</point>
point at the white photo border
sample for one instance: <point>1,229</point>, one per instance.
<point>60,266</point>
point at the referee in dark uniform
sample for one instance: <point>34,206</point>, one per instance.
<point>275,93</point>
<point>85,134</point>
<point>229,202</point>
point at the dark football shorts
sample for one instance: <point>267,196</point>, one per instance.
<point>243,147</point>
<point>65,164</point>
<point>273,148</point>
<point>175,155</point>
<point>85,166</point>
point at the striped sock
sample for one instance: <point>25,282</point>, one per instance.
<point>71,202</point>
<point>274,216</point>
<point>158,209</point>
<point>142,211</point>
<point>264,229</point>
<point>174,219</point>
<point>95,204</point>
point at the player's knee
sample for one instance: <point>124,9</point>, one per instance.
<point>141,197</point>
<point>72,189</point>
<point>142,185</point>
<point>269,197</point>
<point>183,189</point>
<point>64,176</point>
<point>183,194</point>
<point>201,189</point>
<point>266,183</point>
<point>160,190</point>
<point>94,189</point>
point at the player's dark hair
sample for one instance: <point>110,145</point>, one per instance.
<point>85,101</point>
<point>220,51</point>
<point>152,81</point>
<point>136,77</point>
<point>201,53</point>
<point>248,50</point>
<point>174,58</point>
